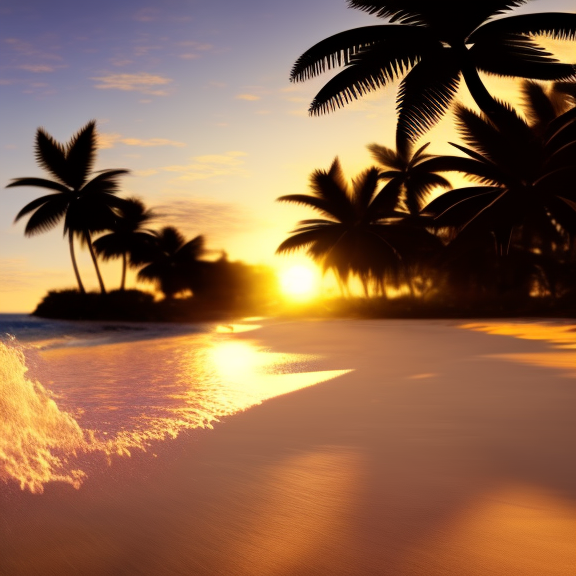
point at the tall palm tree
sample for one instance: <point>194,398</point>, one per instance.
<point>526,197</point>
<point>526,175</point>
<point>86,205</point>
<point>406,177</point>
<point>128,239</point>
<point>173,264</point>
<point>359,233</point>
<point>433,45</point>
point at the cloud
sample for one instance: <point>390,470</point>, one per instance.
<point>249,97</point>
<point>210,166</point>
<point>215,219</point>
<point>39,67</point>
<point>110,139</point>
<point>193,49</point>
<point>120,62</point>
<point>141,82</point>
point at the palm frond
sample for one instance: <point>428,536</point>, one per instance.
<point>440,15</point>
<point>519,56</point>
<point>397,10</point>
<point>426,93</point>
<point>47,216</point>
<point>297,242</point>
<point>363,190</point>
<point>369,70</point>
<point>538,107</point>
<point>81,154</point>
<point>108,247</point>
<point>193,249</point>
<point>51,155</point>
<point>319,204</point>
<point>557,25</point>
<point>339,50</point>
<point>105,182</point>
<point>419,154</point>
<point>386,157</point>
<point>386,201</point>
<point>511,144</point>
<point>476,167</point>
<point>38,183</point>
<point>35,204</point>
<point>452,198</point>
<point>422,183</point>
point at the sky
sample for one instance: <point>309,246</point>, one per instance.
<point>194,99</point>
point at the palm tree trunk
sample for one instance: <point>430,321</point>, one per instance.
<point>495,111</point>
<point>94,260</point>
<point>74,264</point>
<point>124,263</point>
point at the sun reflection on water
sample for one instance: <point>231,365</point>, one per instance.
<point>111,399</point>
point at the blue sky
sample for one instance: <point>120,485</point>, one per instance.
<point>193,98</point>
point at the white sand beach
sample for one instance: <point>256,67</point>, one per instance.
<point>443,451</point>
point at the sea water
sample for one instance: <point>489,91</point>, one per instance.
<point>70,391</point>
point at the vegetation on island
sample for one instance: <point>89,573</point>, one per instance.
<point>92,213</point>
<point>504,244</point>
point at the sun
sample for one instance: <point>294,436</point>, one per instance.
<point>299,282</point>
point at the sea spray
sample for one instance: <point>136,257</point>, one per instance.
<point>110,399</point>
<point>36,437</point>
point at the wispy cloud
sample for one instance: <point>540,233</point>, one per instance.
<point>210,166</point>
<point>193,49</point>
<point>141,82</point>
<point>217,220</point>
<point>39,67</point>
<point>249,97</point>
<point>110,139</point>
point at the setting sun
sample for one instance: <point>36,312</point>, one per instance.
<point>299,282</point>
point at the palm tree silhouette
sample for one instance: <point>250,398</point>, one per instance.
<point>407,180</point>
<point>173,264</point>
<point>526,176</point>
<point>86,205</point>
<point>360,233</point>
<point>434,44</point>
<point>128,239</point>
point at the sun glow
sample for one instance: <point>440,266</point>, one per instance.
<point>300,282</point>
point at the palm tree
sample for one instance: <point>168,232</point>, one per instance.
<point>526,197</point>
<point>434,44</point>
<point>173,264</point>
<point>86,205</point>
<point>128,239</point>
<point>359,233</point>
<point>407,180</point>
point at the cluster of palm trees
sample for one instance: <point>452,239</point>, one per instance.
<point>88,204</point>
<point>513,229</point>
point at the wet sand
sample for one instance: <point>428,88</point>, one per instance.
<point>445,451</point>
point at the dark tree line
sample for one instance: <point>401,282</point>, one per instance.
<point>113,227</point>
<point>508,236</point>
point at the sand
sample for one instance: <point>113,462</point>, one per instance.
<point>443,452</point>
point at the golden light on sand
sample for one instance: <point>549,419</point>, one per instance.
<point>300,282</point>
<point>560,337</point>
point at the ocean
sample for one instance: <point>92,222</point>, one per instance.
<point>72,392</point>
